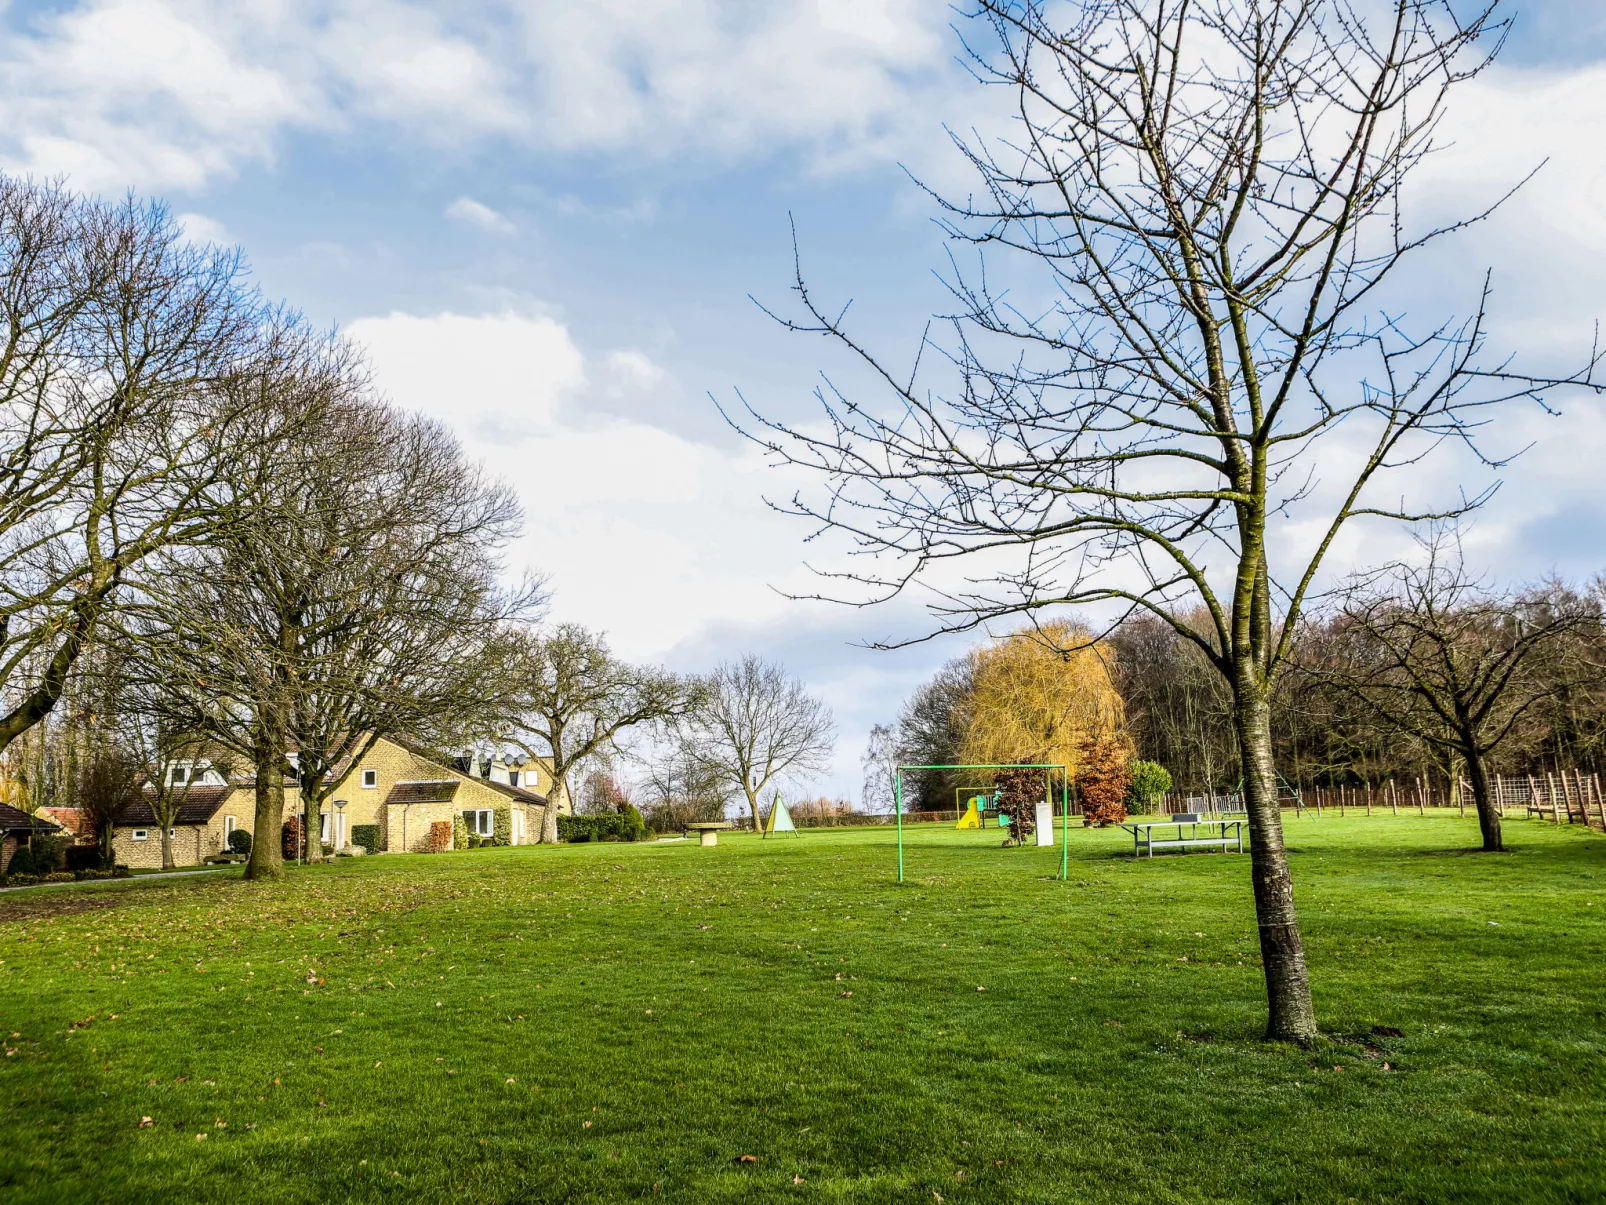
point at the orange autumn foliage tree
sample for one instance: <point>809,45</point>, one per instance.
<point>1043,695</point>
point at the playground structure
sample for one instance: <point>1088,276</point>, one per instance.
<point>779,822</point>
<point>1045,809</point>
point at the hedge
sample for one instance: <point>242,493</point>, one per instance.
<point>626,826</point>
<point>365,835</point>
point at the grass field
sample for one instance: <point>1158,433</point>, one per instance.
<point>627,1022</point>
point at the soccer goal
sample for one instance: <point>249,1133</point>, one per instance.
<point>1045,809</point>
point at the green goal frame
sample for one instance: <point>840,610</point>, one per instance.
<point>1065,799</point>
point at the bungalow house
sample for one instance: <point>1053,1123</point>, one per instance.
<point>396,786</point>
<point>16,827</point>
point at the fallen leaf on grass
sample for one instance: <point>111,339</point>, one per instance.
<point>748,1159</point>
<point>981,989</point>
<point>145,1123</point>
<point>586,1125</point>
<point>799,1180</point>
<point>844,994</point>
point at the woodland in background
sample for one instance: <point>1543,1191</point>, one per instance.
<point>1356,706</point>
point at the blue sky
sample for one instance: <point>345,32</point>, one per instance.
<point>544,219</point>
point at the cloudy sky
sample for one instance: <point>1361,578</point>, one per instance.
<point>545,220</point>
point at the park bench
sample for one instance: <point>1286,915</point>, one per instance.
<point>1217,837</point>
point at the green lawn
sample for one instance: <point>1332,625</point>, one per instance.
<point>622,1022</point>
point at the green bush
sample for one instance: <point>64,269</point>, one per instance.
<point>459,832</point>
<point>634,827</point>
<point>1150,780</point>
<point>49,853</point>
<point>23,880</point>
<point>620,826</point>
<point>367,836</point>
<point>21,863</point>
<point>239,842</point>
<point>504,827</point>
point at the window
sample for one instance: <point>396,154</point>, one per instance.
<point>140,834</point>
<point>482,822</point>
<point>370,778</point>
<point>228,828</point>
<point>171,833</point>
<point>323,826</point>
<point>512,778</point>
<point>181,775</point>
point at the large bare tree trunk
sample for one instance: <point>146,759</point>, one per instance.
<point>1291,1016</point>
<point>549,814</point>
<point>167,844</point>
<point>267,858</point>
<point>1488,809</point>
<point>752,806</point>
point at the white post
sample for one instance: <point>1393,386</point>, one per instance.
<point>1045,822</point>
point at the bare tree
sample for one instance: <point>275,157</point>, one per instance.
<point>219,630</point>
<point>1211,193</point>
<point>1451,663</point>
<point>114,335</point>
<point>755,726</point>
<point>568,698</point>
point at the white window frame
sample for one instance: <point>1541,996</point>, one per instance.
<point>370,779</point>
<point>229,825</point>
<point>172,834</point>
<point>323,827</point>
<point>141,834</point>
<point>482,816</point>
<point>512,778</point>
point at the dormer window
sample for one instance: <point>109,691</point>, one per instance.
<point>512,778</point>
<point>180,776</point>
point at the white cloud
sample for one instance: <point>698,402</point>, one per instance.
<point>198,228</point>
<point>496,378</point>
<point>176,93</point>
<point>474,213</point>
<point>634,370</point>
<point>618,510</point>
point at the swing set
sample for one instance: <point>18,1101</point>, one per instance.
<point>1045,810</point>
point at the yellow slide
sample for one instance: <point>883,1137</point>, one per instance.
<point>971,818</point>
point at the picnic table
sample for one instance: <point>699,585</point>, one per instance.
<point>707,830</point>
<point>1216,834</point>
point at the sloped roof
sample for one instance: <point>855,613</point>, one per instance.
<point>199,806</point>
<point>16,820</point>
<point>432,791</point>
<point>518,793</point>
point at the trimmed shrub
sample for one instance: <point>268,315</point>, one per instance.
<point>365,835</point>
<point>240,842</point>
<point>22,880</point>
<point>58,876</point>
<point>1103,781</point>
<point>21,863</point>
<point>460,832</point>
<point>503,820</point>
<point>633,827</point>
<point>83,857</point>
<point>1150,780</point>
<point>122,872</point>
<point>49,853</point>
<point>290,844</point>
<point>440,836</point>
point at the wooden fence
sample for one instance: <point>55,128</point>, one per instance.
<point>1560,796</point>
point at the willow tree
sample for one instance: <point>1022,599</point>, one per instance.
<point>1171,378</point>
<point>1042,695</point>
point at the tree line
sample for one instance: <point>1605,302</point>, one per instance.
<point>217,537</point>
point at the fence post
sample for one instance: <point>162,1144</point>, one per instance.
<point>1600,804</point>
<point>1421,797</point>
<point>1461,795</point>
<point>1368,796</point>
<point>1394,797</point>
<point>1555,811</point>
<point>1499,797</point>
